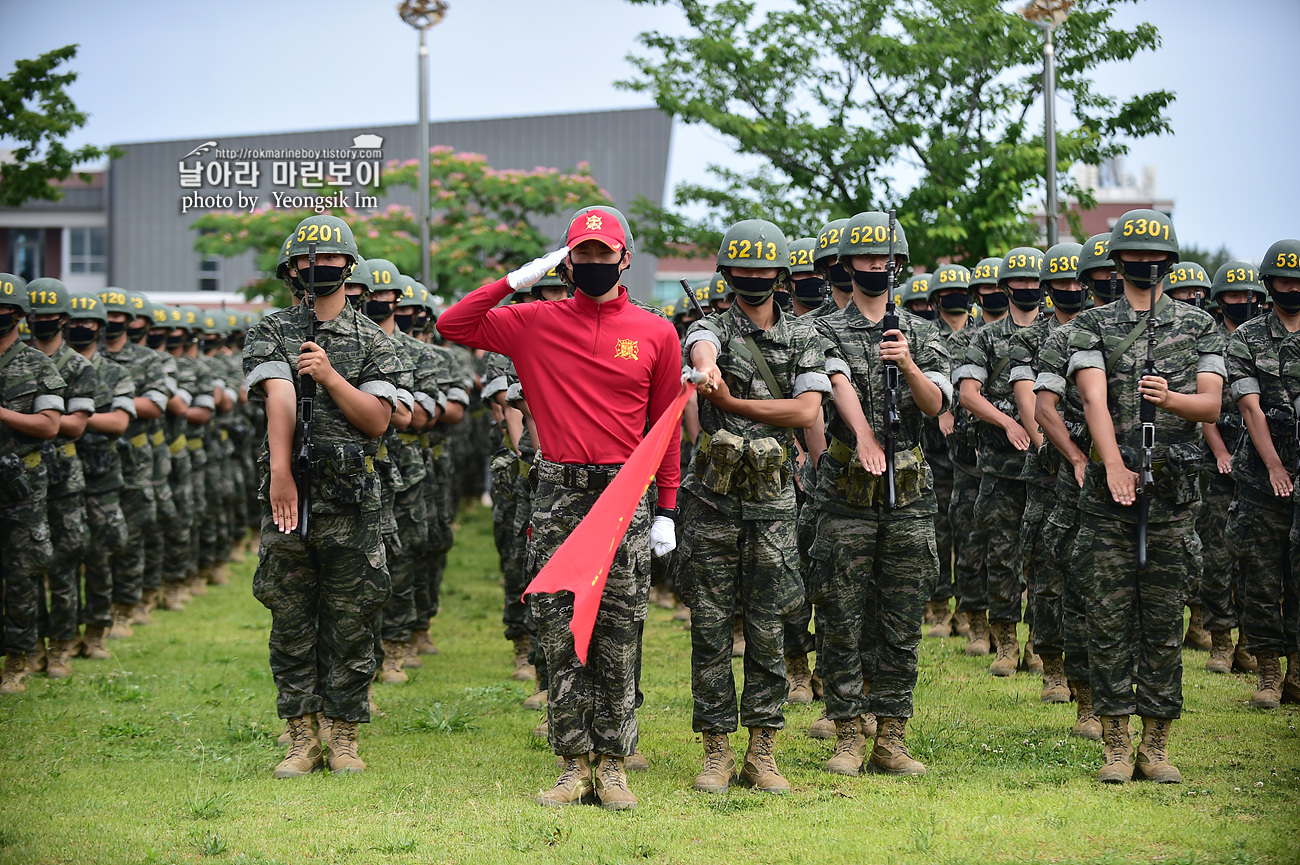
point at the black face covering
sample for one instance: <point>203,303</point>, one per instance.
<point>1102,289</point>
<point>1286,301</point>
<point>872,283</point>
<point>594,279</point>
<point>1138,273</point>
<point>328,279</point>
<point>80,336</point>
<point>211,343</point>
<point>810,291</point>
<point>44,330</point>
<point>1026,299</point>
<point>752,289</point>
<point>994,302</point>
<point>156,340</point>
<point>928,314</point>
<point>354,300</point>
<point>114,329</point>
<point>175,340</point>
<point>1190,301</point>
<point>1239,313</point>
<point>954,302</point>
<point>1068,301</point>
<point>783,300</point>
<point>840,276</point>
<point>405,321</point>
<point>8,321</point>
<point>419,322</point>
<point>137,334</point>
<point>377,310</point>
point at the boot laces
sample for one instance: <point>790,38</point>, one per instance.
<point>845,738</point>
<point>715,751</point>
<point>570,774</point>
<point>1156,743</point>
<point>1114,734</point>
<point>764,743</point>
<point>894,738</point>
<point>343,738</point>
<point>300,736</point>
<point>1270,673</point>
<point>610,776</point>
<point>15,663</point>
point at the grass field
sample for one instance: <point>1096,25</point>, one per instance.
<point>164,754</point>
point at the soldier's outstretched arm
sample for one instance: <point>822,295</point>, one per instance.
<point>281,418</point>
<point>1096,412</point>
<point>1257,426</point>
<point>1047,417</point>
<point>974,401</point>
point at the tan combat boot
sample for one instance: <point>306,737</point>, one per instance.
<point>870,726</point>
<point>610,781</point>
<point>822,728</point>
<point>287,736</point>
<point>1291,684</point>
<point>524,671</point>
<point>719,764</point>
<point>1268,695</point>
<point>759,770</point>
<point>36,660</point>
<point>1117,765</point>
<point>890,755</point>
<point>816,684</point>
<point>14,678</point>
<point>411,658</point>
<point>390,672</point>
<point>977,637</point>
<point>573,785</point>
<point>342,747</point>
<point>141,613</point>
<point>737,637</point>
<point>850,748</point>
<point>423,645</point>
<point>799,677</point>
<point>1242,660</point>
<point>174,597</point>
<point>931,614</point>
<point>325,729</point>
<point>198,584</point>
<point>304,755</point>
<point>1008,657</point>
<point>537,702</point>
<point>636,762</point>
<point>219,574</point>
<point>682,614</point>
<point>121,629</point>
<point>942,625</point>
<point>1220,660</point>
<point>1086,724</point>
<point>1055,689</point>
<point>92,644</point>
<point>1031,662</point>
<point>58,663</point>
<point>961,623</point>
<point>1153,754</point>
<point>543,730</point>
<point>1196,637</point>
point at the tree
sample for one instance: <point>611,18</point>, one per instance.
<point>857,105</point>
<point>36,111</point>
<point>1211,261</point>
<point>480,223</point>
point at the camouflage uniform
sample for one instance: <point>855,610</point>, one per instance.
<point>935,446</point>
<point>102,467</point>
<point>214,535</point>
<point>440,483</point>
<point>1259,524</point>
<point>1135,617</point>
<point>1216,588</point>
<point>505,503</point>
<point>399,619</point>
<point>874,569</point>
<point>170,517</point>
<point>1289,360</point>
<point>738,549</point>
<point>29,383</point>
<point>177,544</point>
<point>324,592</point>
<point>970,577</point>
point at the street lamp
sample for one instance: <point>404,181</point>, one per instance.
<point>1047,14</point>
<point>423,14</point>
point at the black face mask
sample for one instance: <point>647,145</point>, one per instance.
<point>1287,302</point>
<point>872,283</point>
<point>377,310</point>
<point>1239,313</point>
<point>156,340</point>
<point>1068,301</point>
<point>840,276</point>
<point>137,334</point>
<point>211,343</point>
<point>810,291</point>
<point>954,302</point>
<point>405,322</point>
<point>8,321</point>
<point>328,279</point>
<point>1026,299</point>
<point>1138,273</point>
<point>45,330</point>
<point>1190,301</point>
<point>783,300</point>
<point>420,322</point>
<point>80,336</point>
<point>752,289</point>
<point>354,300</point>
<point>175,340</point>
<point>1108,291</point>
<point>594,279</point>
<point>115,329</point>
<point>927,314</point>
<point>995,302</point>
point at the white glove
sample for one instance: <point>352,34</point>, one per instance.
<point>663,537</point>
<point>534,270</point>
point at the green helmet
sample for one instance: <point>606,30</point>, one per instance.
<point>987,272</point>
<point>47,296</point>
<point>160,315</point>
<point>948,276</point>
<point>1062,262</point>
<point>828,243</point>
<point>1236,276</point>
<point>801,254</point>
<point>282,263</point>
<point>191,317</point>
<point>1188,274</point>
<point>754,243</point>
<point>250,319</point>
<point>916,289</point>
<point>360,275</point>
<point>13,292</point>
<point>867,233</point>
<point>87,306</point>
<point>332,236</point>
<point>409,295</point>
<point>718,288</point>
<point>1023,262</point>
<point>140,306</point>
<point>382,275</point>
<point>213,322</point>
<point>1095,255</point>
<point>1146,231</point>
<point>233,322</point>
<point>622,221</point>
<point>117,300</point>
<point>1282,259</point>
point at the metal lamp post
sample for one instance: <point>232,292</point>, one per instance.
<point>423,14</point>
<point>1047,14</point>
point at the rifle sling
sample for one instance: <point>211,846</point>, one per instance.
<point>1126,343</point>
<point>763,369</point>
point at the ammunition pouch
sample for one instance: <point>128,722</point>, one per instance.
<point>15,488</point>
<point>861,489</point>
<point>342,474</point>
<point>1282,429</point>
<point>1178,476</point>
<point>58,462</point>
<point>98,460</point>
<point>766,473</point>
<point>504,468</point>
<point>716,458</point>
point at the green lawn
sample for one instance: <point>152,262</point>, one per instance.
<point>164,754</point>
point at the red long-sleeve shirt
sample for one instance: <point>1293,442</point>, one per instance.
<point>593,373</point>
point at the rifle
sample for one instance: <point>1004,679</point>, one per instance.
<point>690,295</point>
<point>1147,415</point>
<point>893,420</point>
<point>306,404</point>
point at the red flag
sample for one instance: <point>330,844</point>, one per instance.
<point>581,564</point>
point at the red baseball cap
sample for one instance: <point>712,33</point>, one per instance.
<point>597,225</point>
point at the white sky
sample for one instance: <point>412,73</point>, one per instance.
<point>162,69</point>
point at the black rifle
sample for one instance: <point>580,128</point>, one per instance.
<point>893,420</point>
<point>1147,415</point>
<point>690,294</point>
<point>306,404</point>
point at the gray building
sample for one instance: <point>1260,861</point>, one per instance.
<point>158,189</point>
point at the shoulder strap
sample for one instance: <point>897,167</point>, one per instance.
<point>65,358</point>
<point>1125,344</point>
<point>763,369</point>
<point>11,353</point>
<point>999,367</point>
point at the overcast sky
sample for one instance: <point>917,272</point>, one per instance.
<point>161,69</point>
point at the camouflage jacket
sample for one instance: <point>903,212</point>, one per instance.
<point>1255,366</point>
<point>987,360</point>
<point>964,438</point>
<point>1230,425</point>
<point>145,368</point>
<point>29,383</point>
<point>1186,343</point>
<point>114,391</point>
<point>1024,349</point>
<point>81,382</point>
<point>454,382</point>
<point>1289,359</point>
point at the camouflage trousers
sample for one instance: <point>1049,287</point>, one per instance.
<point>1216,587</point>
<point>25,551</point>
<point>108,532</point>
<point>1060,624</point>
<point>1039,499</point>
<point>199,490</point>
<point>214,532</point>
<point>128,564</point>
<point>400,617</point>
<point>69,537</point>
<point>798,641</point>
<point>970,577</point>
<point>1258,532</point>
<point>1135,618</point>
<point>999,511</point>
<point>591,707</point>
<point>872,576</point>
<point>155,550</point>
<point>440,505</point>
<point>727,566</point>
<point>942,471</point>
<point>323,595</point>
<point>509,553</point>
<point>177,564</point>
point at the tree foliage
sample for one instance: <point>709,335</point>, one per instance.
<point>1211,261</point>
<point>480,224</point>
<point>852,105</point>
<point>36,112</point>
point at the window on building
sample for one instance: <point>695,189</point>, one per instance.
<point>86,250</point>
<point>210,274</point>
<point>26,252</point>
